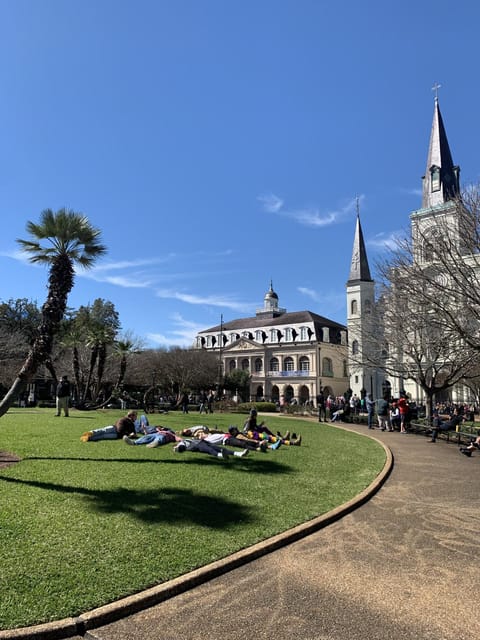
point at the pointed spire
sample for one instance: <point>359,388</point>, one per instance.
<point>359,269</point>
<point>441,182</point>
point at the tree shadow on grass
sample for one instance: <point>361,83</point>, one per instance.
<point>251,465</point>
<point>157,506</point>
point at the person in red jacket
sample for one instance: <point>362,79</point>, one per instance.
<point>402,405</point>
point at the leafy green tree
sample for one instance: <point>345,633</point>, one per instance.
<point>238,381</point>
<point>100,323</point>
<point>60,241</point>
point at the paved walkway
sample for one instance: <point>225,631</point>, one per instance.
<point>403,566</point>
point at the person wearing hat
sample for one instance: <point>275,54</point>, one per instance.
<point>63,396</point>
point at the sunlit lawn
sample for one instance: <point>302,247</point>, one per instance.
<point>83,524</point>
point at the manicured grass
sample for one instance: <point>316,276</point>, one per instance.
<point>83,524</point>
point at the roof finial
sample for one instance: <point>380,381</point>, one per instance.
<point>435,88</point>
<point>357,200</point>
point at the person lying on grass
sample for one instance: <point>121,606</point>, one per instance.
<point>275,440</point>
<point>156,437</point>
<point>200,446</point>
<point>123,427</point>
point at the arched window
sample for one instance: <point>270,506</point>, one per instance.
<point>209,341</point>
<point>287,335</point>
<point>273,335</point>
<point>232,337</point>
<point>274,364</point>
<point>288,364</point>
<point>232,365</point>
<point>368,306</point>
<point>435,177</point>
<point>303,333</point>
<point>304,363</point>
<point>355,347</point>
<point>244,334</point>
<point>258,335</point>
<point>327,367</point>
<point>258,365</point>
<point>354,307</point>
<point>245,364</point>
<point>345,369</point>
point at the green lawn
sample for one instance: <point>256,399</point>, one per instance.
<point>83,524</point>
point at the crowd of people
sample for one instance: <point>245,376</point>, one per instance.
<point>395,414</point>
<point>135,431</point>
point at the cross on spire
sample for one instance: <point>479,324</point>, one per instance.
<point>435,88</point>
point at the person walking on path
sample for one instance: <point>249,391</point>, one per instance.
<point>63,396</point>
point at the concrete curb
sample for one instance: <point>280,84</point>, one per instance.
<point>69,627</point>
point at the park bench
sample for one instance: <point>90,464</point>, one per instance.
<point>465,432</point>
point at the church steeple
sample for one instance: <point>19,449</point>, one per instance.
<point>441,182</point>
<point>359,269</point>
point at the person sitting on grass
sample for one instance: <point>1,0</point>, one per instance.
<point>251,424</point>
<point>474,444</point>
<point>123,427</point>
<point>200,446</point>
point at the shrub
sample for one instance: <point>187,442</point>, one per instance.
<point>267,407</point>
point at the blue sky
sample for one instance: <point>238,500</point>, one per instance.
<point>222,144</point>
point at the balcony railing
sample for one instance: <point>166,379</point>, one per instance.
<point>289,374</point>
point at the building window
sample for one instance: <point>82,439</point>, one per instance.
<point>345,369</point>
<point>244,334</point>
<point>245,364</point>
<point>258,336</point>
<point>327,367</point>
<point>288,364</point>
<point>232,337</point>
<point>287,335</point>
<point>273,335</point>
<point>232,365</point>
<point>354,307</point>
<point>304,363</point>
<point>368,307</point>
<point>209,341</point>
<point>355,347</point>
<point>274,364</point>
<point>303,333</point>
<point>258,365</point>
<point>435,175</point>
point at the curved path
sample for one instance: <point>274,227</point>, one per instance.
<point>404,566</point>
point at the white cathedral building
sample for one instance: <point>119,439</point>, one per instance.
<point>439,210</point>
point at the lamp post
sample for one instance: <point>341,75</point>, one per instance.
<point>220,367</point>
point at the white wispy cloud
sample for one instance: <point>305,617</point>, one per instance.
<point>308,216</point>
<point>131,264</point>
<point>183,334</point>
<point>271,202</point>
<point>385,240</point>
<point>211,300</point>
<point>309,293</point>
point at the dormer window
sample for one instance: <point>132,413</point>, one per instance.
<point>435,178</point>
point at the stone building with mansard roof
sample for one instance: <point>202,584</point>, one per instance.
<point>294,354</point>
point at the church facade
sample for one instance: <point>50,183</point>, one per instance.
<point>290,354</point>
<point>439,211</point>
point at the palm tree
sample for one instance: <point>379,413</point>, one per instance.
<point>68,239</point>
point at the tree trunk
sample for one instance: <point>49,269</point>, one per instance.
<point>60,283</point>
